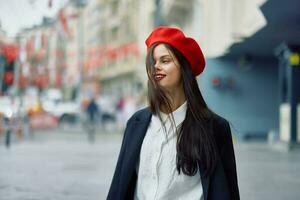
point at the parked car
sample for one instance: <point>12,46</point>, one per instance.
<point>65,111</point>
<point>53,103</point>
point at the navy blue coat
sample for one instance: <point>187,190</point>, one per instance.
<point>221,185</point>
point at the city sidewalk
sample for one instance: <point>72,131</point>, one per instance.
<point>58,166</point>
<point>64,166</point>
<point>265,173</point>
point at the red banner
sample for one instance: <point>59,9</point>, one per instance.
<point>10,52</point>
<point>8,78</point>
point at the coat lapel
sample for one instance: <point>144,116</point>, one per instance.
<point>138,132</point>
<point>134,142</point>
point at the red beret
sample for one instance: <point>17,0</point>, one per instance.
<point>176,38</point>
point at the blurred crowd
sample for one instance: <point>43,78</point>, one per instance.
<point>33,110</point>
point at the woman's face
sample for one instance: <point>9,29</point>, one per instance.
<point>167,69</point>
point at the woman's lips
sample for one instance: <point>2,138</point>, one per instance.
<point>159,77</point>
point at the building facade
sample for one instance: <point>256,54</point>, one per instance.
<point>37,47</point>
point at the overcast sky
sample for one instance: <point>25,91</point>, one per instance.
<point>17,14</point>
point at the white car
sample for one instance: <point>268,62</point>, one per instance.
<point>65,111</point>
<point>53,103</point>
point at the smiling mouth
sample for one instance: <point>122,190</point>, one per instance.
<point>159,77</point>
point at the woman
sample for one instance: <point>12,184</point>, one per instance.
<point>176,148</point>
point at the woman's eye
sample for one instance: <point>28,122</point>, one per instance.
<point>165,61</point>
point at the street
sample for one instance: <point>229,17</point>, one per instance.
<point>60,165</point>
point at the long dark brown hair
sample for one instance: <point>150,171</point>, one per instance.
<point>196,148</point>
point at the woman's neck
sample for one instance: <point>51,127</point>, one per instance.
<point>177,99</point>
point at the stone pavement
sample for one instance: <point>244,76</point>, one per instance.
<point>56,166</point>
<point>265,173</point>
<point>64,166</point>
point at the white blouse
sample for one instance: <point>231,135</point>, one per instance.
<point>158,178</point>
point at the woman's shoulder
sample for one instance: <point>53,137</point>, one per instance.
<point>219,125</point>
<point>140,115</point>
<point>221,131</point>
<point>218,121</point>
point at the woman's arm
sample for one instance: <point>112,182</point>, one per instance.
<point>228,161</point>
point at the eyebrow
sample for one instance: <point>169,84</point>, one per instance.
<point>165,56</point>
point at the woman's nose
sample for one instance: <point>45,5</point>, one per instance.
<point>157,66</point>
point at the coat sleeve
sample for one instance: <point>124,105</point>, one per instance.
<point>228,161</point>
<point>115,184</point>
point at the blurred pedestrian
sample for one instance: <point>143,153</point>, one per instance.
<point>92,110</point>
<point>120,112</point>
<point>177,148</point>
<point>93,114</point>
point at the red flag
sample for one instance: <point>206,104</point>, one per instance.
<point>8,78</point>
<point>10,52</point>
